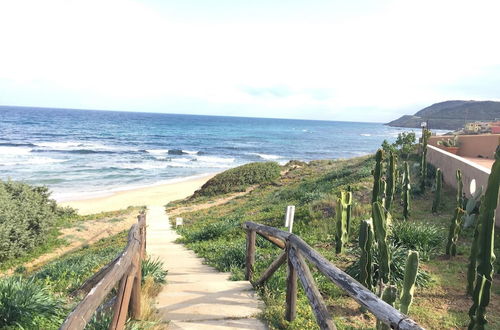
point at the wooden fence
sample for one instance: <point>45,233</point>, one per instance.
<point>126,269</point>
<point>295,250</point>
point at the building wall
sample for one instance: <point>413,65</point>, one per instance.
<point>476,146</point>
<point>449,163</point>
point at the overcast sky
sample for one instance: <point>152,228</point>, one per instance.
<point>336,60</point>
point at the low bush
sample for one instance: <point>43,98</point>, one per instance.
<point>26,216</point>
<point>240,178</point>
<point>28,304</point>
<point>222,254</point>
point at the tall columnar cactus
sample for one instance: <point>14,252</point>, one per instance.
<point>391,182</point>
<point>460,189</point>
<point>389,295</point>
<point>381,228</point>
<point>486,256</point>
<point>349,209</point>
<point>377,177</point>
<point>365,261</point>
<point>341,214</point>
<point>451,246</point>
<point>406,191</point>
<point>423,160</point>
<point>437,193</point>
<point>471,268</point>
<point>409,279</point>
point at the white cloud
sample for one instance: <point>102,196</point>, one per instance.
<point>127,52</point>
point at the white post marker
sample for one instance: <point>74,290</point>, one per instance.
<point>290,212</point>
<point>178,222</point>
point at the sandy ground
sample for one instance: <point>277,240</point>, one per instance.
<point>155,195</point>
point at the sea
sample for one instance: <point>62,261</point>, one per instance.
<point>82,154</point>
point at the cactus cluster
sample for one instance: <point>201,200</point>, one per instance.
<point>406,191</point>
<point>378,185</point>
<point>389,295</point>
<point>471,206</point>
<point>342,235</point>
<point>486,256</point>
<point>349,209</point>
<point>437,194</point>
<point>365,261</point>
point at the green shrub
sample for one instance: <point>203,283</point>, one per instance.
<point>398,257</point>
<point>153,268</point>
<point>240,178</point>
<point>424,238</point>
<point>26,216</point>
<point>26,303</point>
<point>222,254</point>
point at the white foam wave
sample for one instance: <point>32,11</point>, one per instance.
<point>365,134</point>
<point>75,145</point>
<point>33,161</point>
<point>212,159</point>
<point>157,151</point>
<point>191,152</point>
<point>267,157</point>
<point>14,151</point>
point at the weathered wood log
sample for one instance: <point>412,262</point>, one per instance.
<point>383,311</point>
<point>280,234</point>
<point>120,310</point>
<point>135,298</point>
<point>323,317</point>
<point>271,269</point>
<point>291,290</point>
<point>83,312</point>
<point>250,256</point>
<point>276,241</point>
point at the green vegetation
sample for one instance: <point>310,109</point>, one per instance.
<point>240,178</point>
<point>27,217</point>
<point>439,298</point>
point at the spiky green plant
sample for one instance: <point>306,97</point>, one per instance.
<point>437,194</point>
<point>486,256</point>
<point>365,260</point>
<point>380,226</point>
<point>460,189</point>
<point>390,181</point>
<point>406,191</point>
<point>411,271</point>
<point>25,302</point>
<point>154,268</point>
<point>471,267</point>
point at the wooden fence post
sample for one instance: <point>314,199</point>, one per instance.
<point>135,298</point>
<point>250,257</point>
<point>291,288</point>
<point>120,310</point>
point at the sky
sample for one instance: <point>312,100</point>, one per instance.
<point>329,60</point>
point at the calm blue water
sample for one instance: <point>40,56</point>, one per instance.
<point>83,153</point>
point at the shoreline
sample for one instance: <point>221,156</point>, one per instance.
<point>156,194</point>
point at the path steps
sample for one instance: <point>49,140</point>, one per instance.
<point>196,295</point>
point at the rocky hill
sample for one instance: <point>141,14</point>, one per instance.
<point>450,115</point>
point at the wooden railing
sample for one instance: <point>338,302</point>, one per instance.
<point>295,250</point>
<point>126,269</point>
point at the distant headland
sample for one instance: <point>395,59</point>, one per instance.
<point>450,115</point>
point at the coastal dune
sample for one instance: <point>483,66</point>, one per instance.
<point>154,195</point>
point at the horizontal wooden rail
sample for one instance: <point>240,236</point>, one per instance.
<point>296,250</point>
<point>126,269</point>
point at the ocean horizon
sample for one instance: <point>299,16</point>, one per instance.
<point>88,153</point>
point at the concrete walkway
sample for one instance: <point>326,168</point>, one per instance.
<point>197,296</point>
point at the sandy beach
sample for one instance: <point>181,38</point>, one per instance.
<point>154,195</point>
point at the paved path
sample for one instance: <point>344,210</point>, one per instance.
<point>196,295</point>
